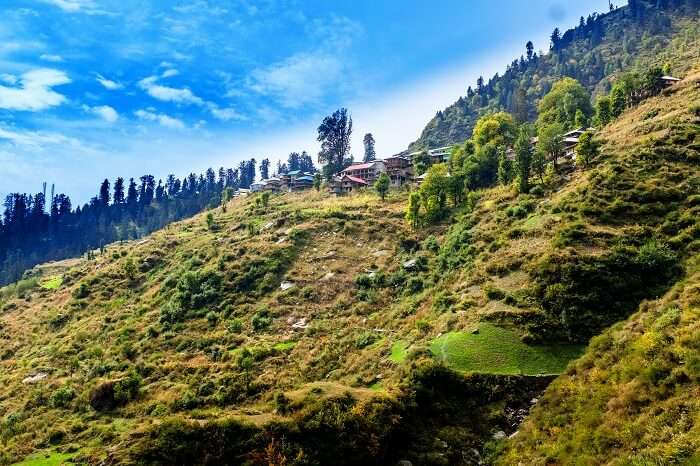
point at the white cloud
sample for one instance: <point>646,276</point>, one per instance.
<point>36,139</point>
<point>301,79</point>
<point>105,112</point>
<point>184,96</point>
<point>8,78</point>
<point>108,83</point>
<point>77,6</point>
<point>169,94</point>
<point>34,91</point>
<point>51,58</point>
<point>224,114</point>
<point>161,118</point>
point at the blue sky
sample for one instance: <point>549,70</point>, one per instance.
<point>94,89</point>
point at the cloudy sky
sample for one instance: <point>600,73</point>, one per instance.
<point>94,89</point>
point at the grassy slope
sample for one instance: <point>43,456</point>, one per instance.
<point>501,261</point>
<point>632,399</point>
<point>496,350</point>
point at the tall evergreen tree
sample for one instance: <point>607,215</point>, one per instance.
<point>265,169</point>
<point>119,191</point>
<point>370,152</point>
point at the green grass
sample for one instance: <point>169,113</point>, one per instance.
<point>47,459</point>
<point>285,346</point>
<point>53,283</point>
<point>495,350</point>
<point>399,351</point>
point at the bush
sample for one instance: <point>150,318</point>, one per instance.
<point>110,395</point>
<point>235,325</point>
<point>282,403</point>
<point>365,339</point>
<point>62,397</point>
<point>261,320</point>
<point>431,244</point>
<point>423,326</point>
<point>81,292</point>
<point>363,281</point>
<point>585,293</point>
<point>537,191</point>
<point>414,285</point>
<point>212,319</point>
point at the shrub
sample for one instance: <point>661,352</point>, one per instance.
<point>585,293</point>
<point>444,301</point>
<point>235,325</point>
<point>58,320</point>
<point>81,292</point>
<point>423,326</point>
<point>212,318</point>
<point>363,281</point>
<point>365,339</point>
<point>537,191</point>
<point>414,285</point>
<point>62,397</point>
<point>130,269</point>
<point>431,244</point>
<point>261,320</point>
<point>517,211</point>
<point>110,395</point>
<point>282,403</point>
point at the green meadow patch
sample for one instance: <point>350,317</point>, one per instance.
<point>53,283</point>
<point>399,351</point>
<point>285,346</point>
<point>47,459</point>
<point>495,350</point>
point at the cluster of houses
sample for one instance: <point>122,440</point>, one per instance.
<point>398,167</point>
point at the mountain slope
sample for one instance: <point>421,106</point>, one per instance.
<point>594,54</point>
<point>317,329</point>
<point>632,398</point>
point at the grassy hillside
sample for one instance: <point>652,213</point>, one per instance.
<point>316,329</point>
<point>593,54</point>
<point>632,398</point>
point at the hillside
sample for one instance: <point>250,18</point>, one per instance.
<point>632,398</point>
<point>299,330</point>
<point>594,53</point>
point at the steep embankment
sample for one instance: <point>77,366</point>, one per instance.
<point>633,397</point>
<point>594,54</point>
<point>306,331</point>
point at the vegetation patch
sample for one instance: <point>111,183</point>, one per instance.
<point>495,350</point>
<point>399,351</point>
<point>47,459</point>
<point>53,283</point>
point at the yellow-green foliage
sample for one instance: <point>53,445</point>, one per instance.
<point>632,399</point>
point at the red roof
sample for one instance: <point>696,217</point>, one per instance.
<point>358,166</point>
<point>355,179</point>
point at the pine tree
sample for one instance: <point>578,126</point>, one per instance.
<point>523,154</point>
<point>119,191</point>
<point>370,152</point>
<point>104,194</point>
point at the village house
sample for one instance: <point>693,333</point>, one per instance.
<point>296,180</point>
<point>302,182</point>
<point>368,172</point>
<point>439,155</point>
<point>273,184</point>
<point>399,169</point>
<point>256,187</point>
<point>345,184</point>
